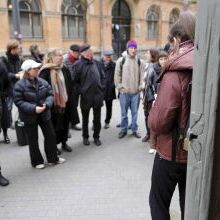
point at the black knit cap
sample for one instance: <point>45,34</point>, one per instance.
<point>84,48</point>
<point>74,47</point>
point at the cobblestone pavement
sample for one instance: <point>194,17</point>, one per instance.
<point>110,182</point>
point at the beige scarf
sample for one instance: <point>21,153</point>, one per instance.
<point>58,85</point>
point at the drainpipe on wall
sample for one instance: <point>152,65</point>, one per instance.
<point>16,20</point>
<point>101,27</point>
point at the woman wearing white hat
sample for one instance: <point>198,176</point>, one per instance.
<point>33,96</point>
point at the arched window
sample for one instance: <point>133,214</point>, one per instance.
<point>30,18</point>
<point>152,19</point>
<point>72,19</point>
<point>174,15</point>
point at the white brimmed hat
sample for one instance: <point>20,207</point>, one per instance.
<point>29,64</point>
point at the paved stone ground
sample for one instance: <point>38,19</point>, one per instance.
<point>110,182</point>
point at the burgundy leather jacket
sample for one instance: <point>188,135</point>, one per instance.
<point>171,109</point>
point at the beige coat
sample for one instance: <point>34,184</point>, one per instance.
<point>130,79</point>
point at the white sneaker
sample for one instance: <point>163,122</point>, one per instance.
<point>61,160</point>
<point>40,166</point>
<point>152,151</point>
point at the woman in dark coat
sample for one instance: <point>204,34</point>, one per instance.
<point>34,98</point>
<point>152,73</point>
<point>109,69</point>
<point>4,90</point>
<point>58,76</point>
<point>4,83</point>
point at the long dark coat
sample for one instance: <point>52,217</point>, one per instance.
<point>60,120</point>
<point>4,90</point>
<point>75,91</point>
<point>109,71</point>
<point>12,64</point>
<point>91,79</point>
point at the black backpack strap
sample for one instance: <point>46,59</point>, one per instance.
<point>139,70</point>
<point>122,63</point>
<point>139,62</point>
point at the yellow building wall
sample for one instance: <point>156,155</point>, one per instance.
<point>52,24</point>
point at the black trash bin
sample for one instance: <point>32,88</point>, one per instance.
<point>20,133</point>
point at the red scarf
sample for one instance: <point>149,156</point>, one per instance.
<point>72,58</point>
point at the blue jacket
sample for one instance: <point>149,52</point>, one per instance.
<point>29,94</point>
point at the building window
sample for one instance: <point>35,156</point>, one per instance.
<point>72,19</point>
<point>152,20</point>
<point>30,18</point>
<point>174,15</point>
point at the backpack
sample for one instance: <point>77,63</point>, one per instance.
<point>123,61</point>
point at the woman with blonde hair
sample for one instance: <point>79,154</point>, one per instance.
<point>58,76</point>
<point>34,98</point>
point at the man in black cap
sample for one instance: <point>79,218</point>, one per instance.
<point>109,69</point>
<point>69,60</point>
<point>90,77</point>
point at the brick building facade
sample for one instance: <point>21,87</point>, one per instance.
<point>102,23</point>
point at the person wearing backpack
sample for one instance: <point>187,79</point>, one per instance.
<point>169,119</point>
<point>128,79</point>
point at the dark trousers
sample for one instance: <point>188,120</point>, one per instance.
<point>147,108</point>
<point>50,146</point>
<point>61,126</point>
<point>165,176</point>
<point>108,104</point>
<point>5,117</point>
<point>96,122</point>
<point>75,118</point>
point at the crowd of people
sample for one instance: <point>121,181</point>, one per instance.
<point>46,90</point>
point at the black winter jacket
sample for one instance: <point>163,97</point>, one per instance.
<point>4,82</point>
<point>12,65</point>
<point>91,79</point>
<point>29,94</point>
<point>151,85</point>
<point>109,71</point>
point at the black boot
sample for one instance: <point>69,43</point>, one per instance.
<point>66,147</point>
<point>6,139</point>
<point>3,181</point>
<point>97,142</point>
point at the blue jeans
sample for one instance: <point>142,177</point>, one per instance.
<point>129,100</point>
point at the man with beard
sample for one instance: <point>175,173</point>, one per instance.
<point>12,65</point>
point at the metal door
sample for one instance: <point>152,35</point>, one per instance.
<point>121,23</point>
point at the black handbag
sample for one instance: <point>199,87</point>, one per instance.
<point>20,133</point>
